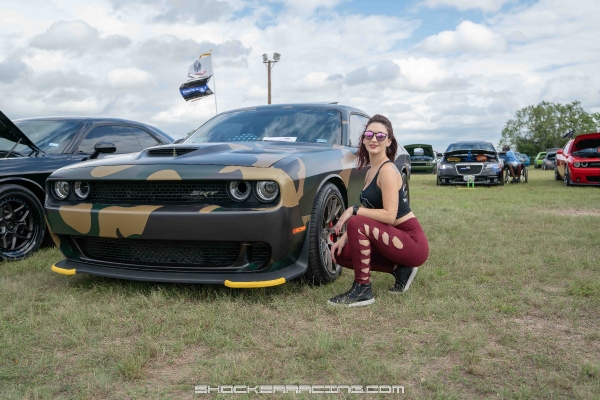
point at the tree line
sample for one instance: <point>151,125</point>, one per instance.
<point>540,127</point>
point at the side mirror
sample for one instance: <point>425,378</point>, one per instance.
<point>179,141</point>
<point>559,151</point>
<point>103,147</point>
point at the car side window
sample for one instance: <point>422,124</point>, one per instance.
<point>144,138</point>
<point>357,127</point>
<point>122,137</point>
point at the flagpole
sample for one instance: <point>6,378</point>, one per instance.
<point>214,82</point>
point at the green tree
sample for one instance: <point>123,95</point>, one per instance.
<point>537,128</point>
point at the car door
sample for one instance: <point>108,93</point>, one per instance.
<point>123,137</point>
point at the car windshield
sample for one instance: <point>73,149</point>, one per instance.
<point>50,136</point>
<point>551,156</point>
<point>470,146</point>
<point>284,124</point>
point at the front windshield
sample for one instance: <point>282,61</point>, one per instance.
<point>471,146</point>
<point>50,136</point>
<point>284,124</point>
<point>551,156</point>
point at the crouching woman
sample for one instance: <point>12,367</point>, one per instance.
<point>382,234</point>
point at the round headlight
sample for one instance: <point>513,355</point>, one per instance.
<point>584,164</point>
<point>267,191</point>
<point>62,189</point>
<point>576,164</point>
<point>239,190</point>
<point>81,189</point>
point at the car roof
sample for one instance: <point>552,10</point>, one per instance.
<point>324,105</point>
<point>81,119</point>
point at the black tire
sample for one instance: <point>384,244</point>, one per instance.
<point>526,174</point>
<point>22,223</point>
<point>556,176</point>
<point>567,179</point>
<point>437,180</point>
<point>327,208</point>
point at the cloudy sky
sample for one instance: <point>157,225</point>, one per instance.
<point>441,70</point>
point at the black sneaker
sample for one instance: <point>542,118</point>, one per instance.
<point>358,295</point>
<point>404,277</point>
<point>518,180</point>
<point>514,180</point>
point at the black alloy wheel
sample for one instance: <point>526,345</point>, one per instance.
<point>567,179</point>
<point>22,223</point>
<point>556,176</point>
<point>327,210</point>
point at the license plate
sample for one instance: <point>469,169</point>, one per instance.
<point>467,178</point>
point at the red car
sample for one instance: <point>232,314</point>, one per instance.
<point>578,163</point>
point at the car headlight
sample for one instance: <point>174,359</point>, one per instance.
<point>492,166</point>
<point>62,189</point>
<point>444,166</point>
<point>239,190</point>
<point>584,164</point>
<point>576,164</point>
<point>267,191</point>
<point>81,190</point>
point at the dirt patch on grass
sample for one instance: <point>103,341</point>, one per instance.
<point>571,212</point>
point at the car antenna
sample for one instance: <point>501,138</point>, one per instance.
<point>10,151</point>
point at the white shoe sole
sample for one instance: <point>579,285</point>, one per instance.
<point>357,304</point>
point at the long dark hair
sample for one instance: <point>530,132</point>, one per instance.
<point>390,152</point>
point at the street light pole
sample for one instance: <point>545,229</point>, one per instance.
<point>270,65</point>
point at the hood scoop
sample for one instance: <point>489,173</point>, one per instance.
<point>170,152</point>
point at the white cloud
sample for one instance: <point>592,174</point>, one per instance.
<point>485,5</point>
<point>124,77</point>
<point>468,36</point>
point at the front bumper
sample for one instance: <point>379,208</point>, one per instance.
<point>233,279</point>
<point>486,177</point>
<point>584,176</point>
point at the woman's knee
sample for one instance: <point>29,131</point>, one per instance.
<point>357,223</point>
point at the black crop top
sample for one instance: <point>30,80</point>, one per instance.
<point>371,197</point>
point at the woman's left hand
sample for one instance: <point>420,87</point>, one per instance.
<point>342,221</point>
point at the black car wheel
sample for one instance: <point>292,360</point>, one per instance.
<point>22,224</point>
<point>567,179</point>
<point>327,210</point>
<point>526,174</point>
<point>556,176</point>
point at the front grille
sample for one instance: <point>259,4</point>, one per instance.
<point>260,252</point>
<point>175,152</point>
<point>420,164</point>
<point>468,169</point>
<point>593,178</point>
<point>167,252</point>
<point>593,165</point>
<point>163,192</point>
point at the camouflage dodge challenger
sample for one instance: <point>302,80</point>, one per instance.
<point>249,200</point>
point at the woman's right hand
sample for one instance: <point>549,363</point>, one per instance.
<point>338,246</point>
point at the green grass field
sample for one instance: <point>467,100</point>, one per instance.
<point>507,306</point>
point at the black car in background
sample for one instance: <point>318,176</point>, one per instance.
<point>476,159</point>
<point>31,149</point>
<point>549,161</point>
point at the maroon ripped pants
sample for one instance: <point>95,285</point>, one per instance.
<point>373,245</point>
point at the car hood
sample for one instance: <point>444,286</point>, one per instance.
<point>427,149</point>
<point>242,154</point>
<point>9,131</point>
